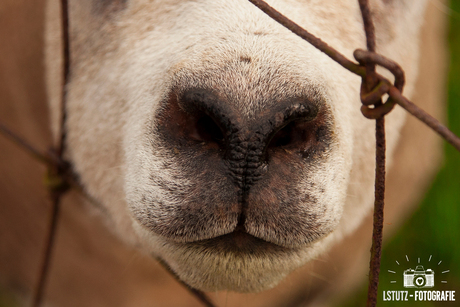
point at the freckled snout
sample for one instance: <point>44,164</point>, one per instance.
<point>206,120</point>
<point>241,158</point>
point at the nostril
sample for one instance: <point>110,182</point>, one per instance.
<point>206,130</point>
<point>192,118</point>
<point>293,127</point>
<point>195,116</point>
<point>294,134</point>
<point>283,137</point>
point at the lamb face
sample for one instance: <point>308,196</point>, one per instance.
<point>241,164</point>
<point>217,139</point>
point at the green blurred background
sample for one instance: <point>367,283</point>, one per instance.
<point>438,217</point>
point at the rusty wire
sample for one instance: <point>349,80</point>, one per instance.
<point>359,70</point>
<point>368,84</point>
<point>200,295</point>
<point>50,239</point>
<point>57,182</point>
<point>373,87</point>
<point>66,179</point>
<point>60,177</point>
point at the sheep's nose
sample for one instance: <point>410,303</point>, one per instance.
<point>204,120</point>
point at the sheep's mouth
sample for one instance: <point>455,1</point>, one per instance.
<point>240,242</point>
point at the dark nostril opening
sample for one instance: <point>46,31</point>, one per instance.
<point>197,115</point>
<point>294,134</point>
<point>283,137</point>
<point>295,126</point>
<point>207,130</point>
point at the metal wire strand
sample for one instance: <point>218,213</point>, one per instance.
<point>49,244</point>
<point>409,106</point>
<point>57,171</point>
<point>370,81</point>
<point>200,295</point>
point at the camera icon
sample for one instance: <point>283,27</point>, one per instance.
<point>418,278</point>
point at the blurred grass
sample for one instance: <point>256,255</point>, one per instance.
<point>435,228</point>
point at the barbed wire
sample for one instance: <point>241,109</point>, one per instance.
<point>60,177</point>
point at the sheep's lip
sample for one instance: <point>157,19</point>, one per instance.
<point>240,241</point>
